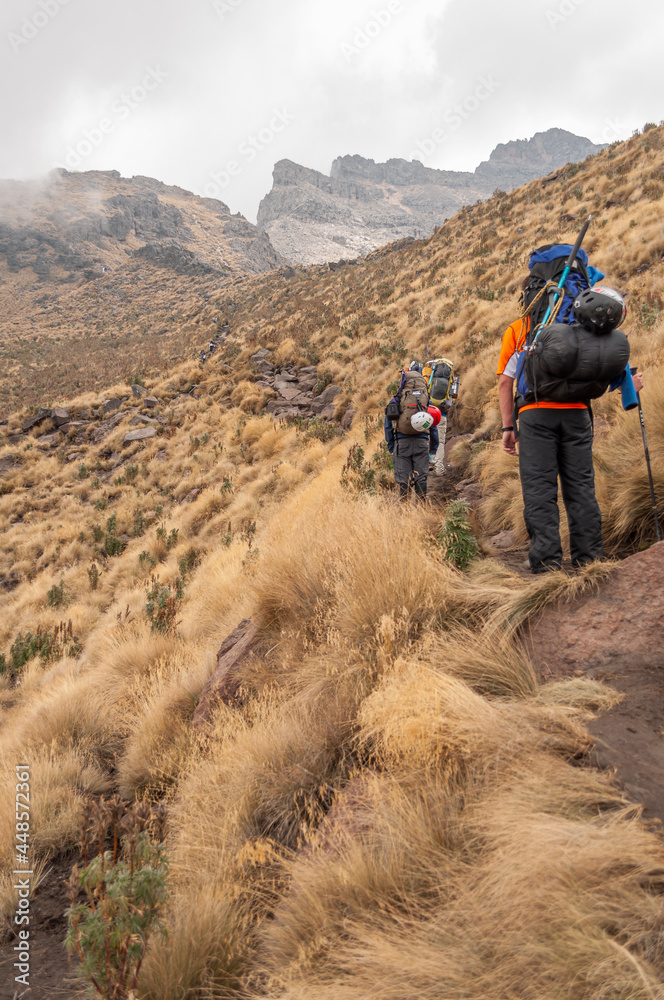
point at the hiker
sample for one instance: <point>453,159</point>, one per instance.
<point>443,390</point>
<point>555,432</point>
<point>212,347</point>
<point>202,355</point>
<point>410,432</point>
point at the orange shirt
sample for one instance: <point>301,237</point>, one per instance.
<point>514,339</point>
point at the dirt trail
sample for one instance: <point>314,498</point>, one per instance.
<point>629,739</point>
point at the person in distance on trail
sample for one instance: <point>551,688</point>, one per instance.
<point>410,432</point>
<point>202,355</point>
<point>212,347</point>
<point>555,432</point>
<point>443,390</point>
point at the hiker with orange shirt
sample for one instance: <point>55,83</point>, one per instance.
<point>555,439</point>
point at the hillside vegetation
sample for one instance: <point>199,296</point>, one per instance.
<point>392,804</point>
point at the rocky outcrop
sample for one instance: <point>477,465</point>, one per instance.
<point>295,389</point>
<point>83,226</point>
<point>618,628</point>
<point>312,218</point>
<point>224,684</point>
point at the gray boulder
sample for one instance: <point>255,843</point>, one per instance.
<point>42,414</point>
<point>60,416</point>
<point>328,394</point>
<point>110,405</point>
<point>138,391</point>
<point>141,434</point>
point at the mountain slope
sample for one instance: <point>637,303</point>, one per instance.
<point>362,205</point>
<point>96,258</point>
<point>387,801</point>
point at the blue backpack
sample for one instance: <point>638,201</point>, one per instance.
<point>546,265</point>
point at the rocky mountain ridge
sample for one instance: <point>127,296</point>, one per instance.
<point>81,225</point>
<point>311,217</point>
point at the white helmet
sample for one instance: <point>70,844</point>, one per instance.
<point>421,421</point>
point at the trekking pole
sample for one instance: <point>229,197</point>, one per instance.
<point>563,277</point>
<point>652,485</point>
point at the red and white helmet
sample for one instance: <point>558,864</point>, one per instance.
<point>436,414</point>
<point>421,421</point>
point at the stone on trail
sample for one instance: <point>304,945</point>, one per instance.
<point>141,434</point>
<point>138,390</point>
<point>617,628</point>
<point>504,540</point>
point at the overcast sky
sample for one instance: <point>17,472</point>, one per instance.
<point>208,94</point>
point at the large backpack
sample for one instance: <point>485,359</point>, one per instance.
<point>413,396</point>
<point>439,375</point>
<point>535,378</point>
<point>546,265</point>
<point>570,364</point>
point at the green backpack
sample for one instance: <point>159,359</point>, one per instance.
<point>413,395</point>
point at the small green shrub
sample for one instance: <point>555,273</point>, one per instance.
<point>57,596</point>
<point>124,895</point>
<point>456,535</point>
<point>113,545</point>
<point>83,471</point>
<point>162,603</point>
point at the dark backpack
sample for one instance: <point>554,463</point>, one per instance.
<point>570,364</point>
<point>534,378</point>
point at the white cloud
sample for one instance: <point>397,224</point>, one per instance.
<point>229,68</point>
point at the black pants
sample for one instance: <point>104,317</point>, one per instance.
<point>552,443</point>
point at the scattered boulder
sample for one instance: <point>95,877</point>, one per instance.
<point>328,394</point>
<point>224,684</point>
<point>141,418</point>
<point>191,496</point>
<point>151,401</point>
<point>347,419</point>
<point>60,416</point>
<point>7,463</point>
<point>110,405</point>
<point>105,427</point>
<point>617,628</point>
<point>141,434</point>
<point>48,440</point>
<point>15,438</point>
<point>138,391</point>
<point>260,355</point>
<point>288,390</point>
<point>43,414</point>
